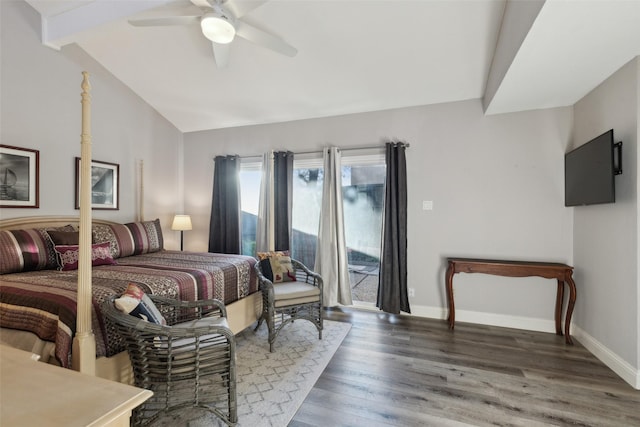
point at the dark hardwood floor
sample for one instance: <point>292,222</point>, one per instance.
<point>410,371</point>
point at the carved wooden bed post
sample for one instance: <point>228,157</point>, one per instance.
<point>84,344</point>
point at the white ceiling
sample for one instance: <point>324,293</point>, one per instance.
<point>353,55</point>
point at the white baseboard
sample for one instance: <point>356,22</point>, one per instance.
<point>609,358</point>
<point>506,321</point>
<point>622,368</point>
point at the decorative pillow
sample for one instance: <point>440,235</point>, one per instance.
<point>146,235</point>
<point>276,266</point>
<point>27,250</point>
<point>11,260</point>
<point>68,256</point>
<point>265,266</point>
<point>118,236</point>
<point>136,303</point>
<point>64,237</point>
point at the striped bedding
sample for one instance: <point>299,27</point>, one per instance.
<point>44,301</point>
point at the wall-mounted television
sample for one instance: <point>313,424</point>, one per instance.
<point>590,170</point>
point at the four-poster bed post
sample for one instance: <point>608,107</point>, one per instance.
<point>83,353</point>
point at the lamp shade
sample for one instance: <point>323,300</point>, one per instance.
<point>181,222</point>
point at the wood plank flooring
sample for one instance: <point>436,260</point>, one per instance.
<point>410,371</point>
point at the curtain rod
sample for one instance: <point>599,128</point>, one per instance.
<point>368,147</point>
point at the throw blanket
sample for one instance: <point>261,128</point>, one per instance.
<point>44,302</point>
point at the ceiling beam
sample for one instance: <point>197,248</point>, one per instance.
<point>61,29</point>
<point>517,20</point>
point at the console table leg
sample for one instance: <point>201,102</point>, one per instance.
<point>559,303</point>
<point>570,305</point>
<point>452,309</point>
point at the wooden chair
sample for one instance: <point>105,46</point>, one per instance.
<point>191,362</point>
<point>286,302</point>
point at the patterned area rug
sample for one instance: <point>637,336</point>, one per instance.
<point>271,386</point>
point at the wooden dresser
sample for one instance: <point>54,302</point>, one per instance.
<point>38,394</point>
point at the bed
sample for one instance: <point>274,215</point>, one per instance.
<point>38,303</point>
<point>56,314</point>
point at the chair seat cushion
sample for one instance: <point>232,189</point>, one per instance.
<point>205,321</point>
<point>293,293</point>
<point>184,349</point>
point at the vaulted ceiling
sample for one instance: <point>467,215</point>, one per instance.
<point>353,56</point>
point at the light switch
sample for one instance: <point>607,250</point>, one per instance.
<point>427,205</point>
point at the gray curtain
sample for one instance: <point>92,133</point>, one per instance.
<point>274,214</point>
<point>264,227</point>
<point>224,226</point>
<point>392,285</point>
<point>282,195</point>
<point>331,249</point>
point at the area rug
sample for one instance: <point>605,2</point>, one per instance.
<point>271,386</point>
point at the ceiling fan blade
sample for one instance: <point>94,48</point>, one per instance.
<point>167,20</point>
<point>221,54</point>
<point>240,8</point>
<point>265,39</point>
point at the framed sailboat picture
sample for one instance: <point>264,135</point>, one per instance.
<point>105,185</point>
<point>19,177</point>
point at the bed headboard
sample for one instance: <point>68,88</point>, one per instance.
<point>44,221</point>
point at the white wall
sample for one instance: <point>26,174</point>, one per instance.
<point>497,183</point>
<point>40,109</point>
<point>606,236</point>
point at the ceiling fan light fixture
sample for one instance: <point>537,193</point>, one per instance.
<point>217,28</point>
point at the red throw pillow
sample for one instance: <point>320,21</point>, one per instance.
<point>68,256</point>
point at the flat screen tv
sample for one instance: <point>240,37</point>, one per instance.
<point>589,172</point>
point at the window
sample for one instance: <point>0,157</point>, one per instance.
<point>250,178</point>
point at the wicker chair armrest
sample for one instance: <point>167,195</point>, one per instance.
<point>316,278</point>
<point>152,331</point>
<point>190,304</point>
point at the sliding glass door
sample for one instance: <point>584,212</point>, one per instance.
<point>363,197</point>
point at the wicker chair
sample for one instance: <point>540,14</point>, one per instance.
<point>189,363</point>
<point>289,301</point>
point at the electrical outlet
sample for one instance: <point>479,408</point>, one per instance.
<point>412,292</point>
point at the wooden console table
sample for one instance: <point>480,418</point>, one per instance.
<point>561,272</point>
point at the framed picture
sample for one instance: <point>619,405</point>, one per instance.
<point>105,185</point>
<point>19,177</point>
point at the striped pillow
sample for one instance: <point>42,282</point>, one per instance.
<point>118,236</point>
<point>146,235</point>
<point>27,250</point>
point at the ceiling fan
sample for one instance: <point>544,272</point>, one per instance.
<point>220,22</point>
